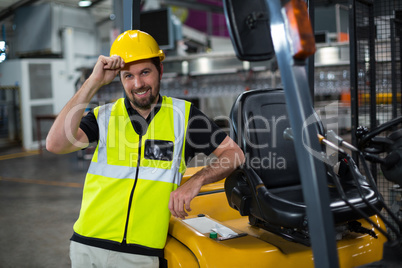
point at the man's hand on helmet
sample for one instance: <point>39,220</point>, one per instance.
<point>106,69</point>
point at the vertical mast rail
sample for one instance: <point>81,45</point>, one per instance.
<point>300,110</point>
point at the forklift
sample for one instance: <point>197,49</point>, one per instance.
<point>300,200</point>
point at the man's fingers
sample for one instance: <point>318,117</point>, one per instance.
<point>171,206</point>
<point>112,63</point>
<point>176,206</point>
<point>179,208</point>
<point>188,208</point>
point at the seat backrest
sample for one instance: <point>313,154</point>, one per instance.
<point>259,119</point>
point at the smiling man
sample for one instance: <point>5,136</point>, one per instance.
<point>144,141</point>
<point>141,82</point>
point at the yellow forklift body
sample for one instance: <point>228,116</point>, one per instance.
<point>254,247</point>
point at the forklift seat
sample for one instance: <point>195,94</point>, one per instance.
<point>267,188</point>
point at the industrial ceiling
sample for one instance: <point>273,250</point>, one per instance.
<point>100,8</point>
<point>103,8</point>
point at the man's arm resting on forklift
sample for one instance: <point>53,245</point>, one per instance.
<point>229,157</point>
<point>65,136</point>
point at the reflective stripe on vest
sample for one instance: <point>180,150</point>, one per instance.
<point>101,168</point>
<point>111,176</point>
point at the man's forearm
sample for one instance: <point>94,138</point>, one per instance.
<point>220,167</point>
<point>64,136</point>
<point>229,157</point>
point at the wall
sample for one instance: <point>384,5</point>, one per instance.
<point>45,87</point>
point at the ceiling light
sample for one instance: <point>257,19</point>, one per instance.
<point>84,3</point>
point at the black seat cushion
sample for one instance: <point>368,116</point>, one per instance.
<point>268,186</point>
<point>259,123</point>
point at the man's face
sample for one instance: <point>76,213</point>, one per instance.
<point>141,82</point>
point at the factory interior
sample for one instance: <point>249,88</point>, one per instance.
<point>49,47</point>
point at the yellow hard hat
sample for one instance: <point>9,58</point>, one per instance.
<point>133,45</point>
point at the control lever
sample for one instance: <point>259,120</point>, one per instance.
<point>356,176</point>
<point>288,134</point>
<point>341,142</point>
<point>331,145</point>
<point>390,160</point>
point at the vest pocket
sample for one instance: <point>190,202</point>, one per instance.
<point>158,150</point>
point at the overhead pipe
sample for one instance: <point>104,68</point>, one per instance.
<point>8,11</point>
<point>94,3</point>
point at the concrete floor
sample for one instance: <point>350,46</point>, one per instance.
<point>40,196</point>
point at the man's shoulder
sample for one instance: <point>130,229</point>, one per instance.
<point>185,104</point>
<point>175,99</point>
<point>108,106</point>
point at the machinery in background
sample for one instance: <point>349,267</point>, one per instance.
<point>287,205</point>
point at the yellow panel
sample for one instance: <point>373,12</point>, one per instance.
<point>260,248</point>
<point>178,255</point>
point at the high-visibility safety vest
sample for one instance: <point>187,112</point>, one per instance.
<point>129,181</point>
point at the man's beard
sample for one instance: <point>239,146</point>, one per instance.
<point>145,104</point>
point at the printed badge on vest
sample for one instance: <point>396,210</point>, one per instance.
<point>159,150</point>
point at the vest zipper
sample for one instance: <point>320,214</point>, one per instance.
<point>132,190</point>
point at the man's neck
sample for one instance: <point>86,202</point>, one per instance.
<point>145,112</point>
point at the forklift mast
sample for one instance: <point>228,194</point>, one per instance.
<point>291,33</point>
<point>293,43</point>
